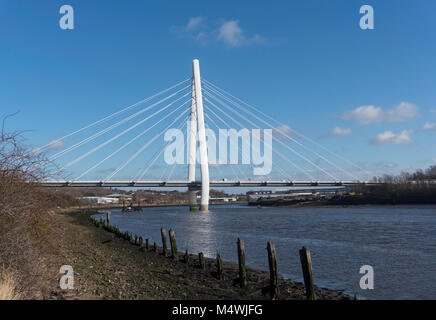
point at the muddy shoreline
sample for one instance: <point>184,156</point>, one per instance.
<point>109,267</point>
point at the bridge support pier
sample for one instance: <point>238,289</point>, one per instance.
<point>192,194</point>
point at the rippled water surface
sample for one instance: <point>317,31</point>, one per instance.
<point>399,242</point>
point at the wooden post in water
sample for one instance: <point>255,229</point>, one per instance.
<point>136,239</point>
<point>186,258</point>
<point>108,215</point>
<point>201,260</point>
<point>163,233</point>
<point>306,265</point>
<point>241,259</point>
<point>147,245</point>
<point>174,253</point>
<point>273,276</point>
<point>141,241</point>
<point>154,247</point>
<point>219,267</point>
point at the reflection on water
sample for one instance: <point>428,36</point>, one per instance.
<point>398,241</point>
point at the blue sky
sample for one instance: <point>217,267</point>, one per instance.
<point>366,94</point>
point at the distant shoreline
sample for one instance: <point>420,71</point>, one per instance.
<point>346,201</point>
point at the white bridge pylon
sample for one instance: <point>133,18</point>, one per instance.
<point>197,126</point>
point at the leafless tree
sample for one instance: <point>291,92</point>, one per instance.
<point>25,224</point>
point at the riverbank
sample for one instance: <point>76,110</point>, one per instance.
<point>357,200</point>
<point>108,267</point>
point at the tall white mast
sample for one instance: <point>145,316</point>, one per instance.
<point>192,152</point>
<point>201,137</point>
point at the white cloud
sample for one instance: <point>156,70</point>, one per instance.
<point>371,114</point>
<point>403,112</point>
<point>257,39</point>
<point>202,38</point>
<point>365,115</point>
<point>388,137</point>
<point>433,159</point>
<point>338,131</point>
<point>194,23</point>
<point>429,126</point>
<point>231,34</point>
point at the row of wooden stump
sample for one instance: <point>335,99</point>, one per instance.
<point>306,262</point>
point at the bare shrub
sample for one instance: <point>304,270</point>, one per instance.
<point>26,226</point>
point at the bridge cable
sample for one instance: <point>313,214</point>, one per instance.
<point>114,114</point>
<point>241,126</point>
<point>78,144</point>
<point>216,165</point>
<point>277,152</point>
<point>146,145</point>
<point>130,141</point>
<point>120,134</point>
<point>285,176</point>
<point>281,124</point>
<point>173,167</point>
<point>156,155</point>
<point>215,124</point>
<point>284,134</point>
<point>239,152</point>
<point>269,145</point>
<point>140,174</point>
<point>275,138</point>
<point>301,156</point>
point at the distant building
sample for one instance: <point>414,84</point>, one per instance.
<point>225,199</point>
<point>120,197</point>
<point>254,195</point>
<point>98,200</point>
<point>259,192</point>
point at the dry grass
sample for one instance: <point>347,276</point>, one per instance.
<point>8,286</point>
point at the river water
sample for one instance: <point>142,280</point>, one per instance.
<point>399,242</point>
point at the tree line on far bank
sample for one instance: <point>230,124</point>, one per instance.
<point>419,176</point>
<point>417,187</point>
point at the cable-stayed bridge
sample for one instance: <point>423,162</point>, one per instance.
<point>129,153</point>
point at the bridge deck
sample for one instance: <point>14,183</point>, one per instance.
<point>197,184</point>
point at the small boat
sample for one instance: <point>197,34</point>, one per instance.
<point>127,209</point>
